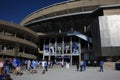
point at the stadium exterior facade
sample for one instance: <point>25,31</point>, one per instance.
<point>18,41</point>
<point>71,29</point>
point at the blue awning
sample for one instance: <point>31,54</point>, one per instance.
<point>80,35</point>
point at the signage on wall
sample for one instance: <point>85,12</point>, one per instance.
<point>4,51</point>
<point>46,49</point>
<point>75,48</point>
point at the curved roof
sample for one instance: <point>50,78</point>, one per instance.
<point>66,8</point>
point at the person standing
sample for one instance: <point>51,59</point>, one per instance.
<point>84,65</point>
<point>10,64</point>
<point>6,65</point>
<point>46,65</point>
<point>18,66</point>
<point>101,66</point>
<point>2,68</point>
<point>33,64</point>
<point>28,65</point>
<point>62,64</point>
<point>59,49</point>
<point>95,63</point>
<point>25,63</point>
<point>77,65</point>
<point>81,66</point>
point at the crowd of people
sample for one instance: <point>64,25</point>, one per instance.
<point>15,65</point>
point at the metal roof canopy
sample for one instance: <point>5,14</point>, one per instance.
<point>71,14</point>
<point>80,35</point>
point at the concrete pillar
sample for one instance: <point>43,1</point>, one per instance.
<point>13,51</point>
<point>55,44</point>
<point>71,60</point>
<point>71,50</point>
<point>3,32</point>
<point>32,52</point>
<point>23,49</point>
<point>79,50</point>
<point>49,58</point>
<point>63,48</point>
<point>43,49</point>
<point>25,37</point>
<point>63,45</point>
<point>15,35</point>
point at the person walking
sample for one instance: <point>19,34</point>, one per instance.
<point>81,66</point>
<point>44,66</point>
<point>101,66</point>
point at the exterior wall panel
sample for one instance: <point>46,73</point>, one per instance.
<point>110,35</point>
<point>95,32</point>
<point>90,2</point>
<point>109,2</point>
<point>111,11</point>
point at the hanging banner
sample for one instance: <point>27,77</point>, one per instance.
<point>75,48</point>
<point>51,48</point>
<point>59,48</point>
<point>46,49</point>
<point>4,50</point>
<point>67,48</point>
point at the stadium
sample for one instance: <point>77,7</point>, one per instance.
<point>76,29</point>
<point>16,40</point>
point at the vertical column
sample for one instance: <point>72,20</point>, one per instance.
<point>25,37</point>
<point>31,52</point>
<point>79,50</point>
<point>3,32</point>
<point>1,43</point>
<point>15,35</point>
<point>43,49</point>
<point>62,48</point>
<point>23,49</point>
<point>13,50</point>
<point>31,39</point>
<point>71,50</point>
<point>55,45</point>
<point>49,57</point>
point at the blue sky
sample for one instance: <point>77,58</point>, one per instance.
<point>16,10</point>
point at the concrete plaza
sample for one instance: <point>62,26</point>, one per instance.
<point>91,73</point>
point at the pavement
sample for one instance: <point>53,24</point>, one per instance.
<point>58,73</point>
